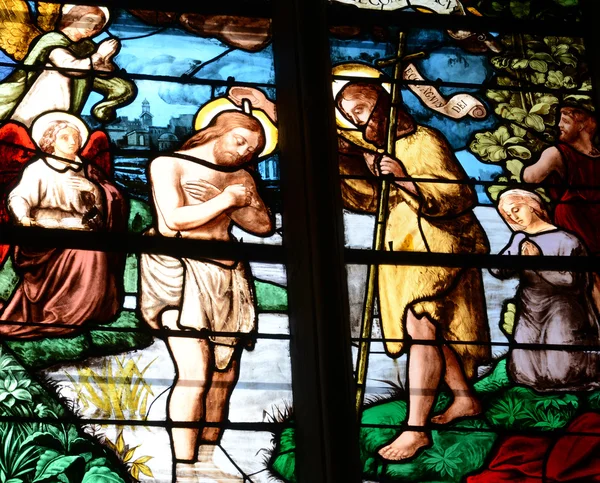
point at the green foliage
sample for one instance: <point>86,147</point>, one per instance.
<point>8,280</point>
<point>270,297</point>
<point>43,353</point>
<point>130,277</point>
<point>453,453</point>
<point>43,452</point>
<point>140,216</point>
<point>529,9</point>
<point>110,342</point>
<point>46,352</point>
<point>523,408</point>
<point>528,119</point>
<point>284,462</point>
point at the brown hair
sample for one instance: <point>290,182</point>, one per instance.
<point>78,12</point>
<point>223,123</point>
<point>48,139</point>
<point>376,128</point>
<point>359,91</point>
<point>581,116</point>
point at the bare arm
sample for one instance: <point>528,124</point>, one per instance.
<point>550,161</point>
<point>255,217</point>
<point>165,175</point>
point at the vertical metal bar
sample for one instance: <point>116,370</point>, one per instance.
<point>382,212</point>
<point>326,431</point>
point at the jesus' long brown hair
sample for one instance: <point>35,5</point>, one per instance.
<point>223,123</point>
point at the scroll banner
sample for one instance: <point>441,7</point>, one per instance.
<point>457,107</point>
<point>437,6</point>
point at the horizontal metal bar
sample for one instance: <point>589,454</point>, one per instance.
<point>475,182</point>
<point>72,419</point>
<point>468,260</point>
<point>159,333</point>
<point>512,345</point>
<point>136,243</point>
<point>182,79</point>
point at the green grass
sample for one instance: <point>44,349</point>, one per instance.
<point>270,297</point>
<point>454,454</point>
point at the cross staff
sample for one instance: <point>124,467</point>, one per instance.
<point>382,213</point>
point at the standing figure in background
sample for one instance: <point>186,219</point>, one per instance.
<point>198,193</point>
<point>553,307</point>
<point>575,163</point>
<point>428,303</point>
<point>61,289</point>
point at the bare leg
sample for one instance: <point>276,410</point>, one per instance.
<point>217,411</point>
<point>424,373</point>
<point>465,403</point>
<point>217,400</point>
<point>193,361</point>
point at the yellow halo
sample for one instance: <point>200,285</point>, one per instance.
<point>210,110</point>
<point>353,69</point>
<point>39,126</point>
<point>346,128</point>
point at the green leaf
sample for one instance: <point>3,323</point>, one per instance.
<point>55,466</point>
<point>520,152</point>
<point>45,440</point>
<point>22,395</point>
<point>536,122</point>
<point>514,166</point>
<point>539,65</point>
<point>543,56</point>
<point>96,462</point>
<point>541,108</point>
<point>98,474</point>
<point>520,9</point>
<point>496,153</point>
<point>519,63</point>
<point>555,79</point>
<point>516,114</point>
<point>567,3</point>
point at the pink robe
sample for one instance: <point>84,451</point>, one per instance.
<point>61,289</point>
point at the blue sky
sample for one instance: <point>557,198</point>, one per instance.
<point>173,52</point>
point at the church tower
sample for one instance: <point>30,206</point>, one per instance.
<point>146,116</point>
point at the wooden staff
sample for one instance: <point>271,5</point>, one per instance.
<point>382,213</point>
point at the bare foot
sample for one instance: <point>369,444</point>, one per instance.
<point>461,407</point>
<point>405,446</point>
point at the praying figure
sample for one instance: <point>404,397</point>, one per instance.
<point>206,307</point>
<point>553,307</point>
<point>63,288</point>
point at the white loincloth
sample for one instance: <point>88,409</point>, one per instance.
<point>207,296</point>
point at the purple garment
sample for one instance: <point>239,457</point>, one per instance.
<point>553,307</point>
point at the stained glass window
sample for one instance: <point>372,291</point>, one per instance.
<point>139,153</point>
<point>392,201</point>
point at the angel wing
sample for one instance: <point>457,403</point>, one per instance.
<point>17,30</point>
<point>16,150</point>
<point>97,151</point>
